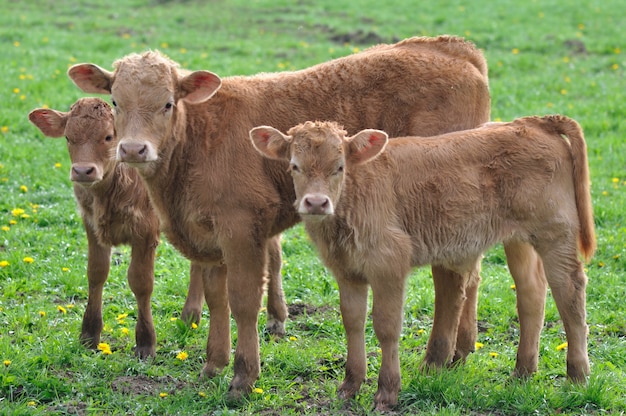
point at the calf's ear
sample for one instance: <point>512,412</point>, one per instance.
<point>198,86</point>
<point>91,78</point>
<point>50,122</point>
<point>270,142</point>
<point>365,146</point>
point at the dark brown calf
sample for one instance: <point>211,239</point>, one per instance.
<point>221,203</point>
<point>375,214</point>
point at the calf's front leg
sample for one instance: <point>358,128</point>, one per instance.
<point>246,264</point>
<point>353,305</point>
<point>98,264</point>
<point>216,295</point>
<point>387,315</point>
<point>141,282</point>
<point>449,301</point>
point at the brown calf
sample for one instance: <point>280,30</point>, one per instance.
<point>220,201</point>
<point>115,209</point>
<point>440,201</point>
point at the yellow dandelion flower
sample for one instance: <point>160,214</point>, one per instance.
<point>42,314</point>
<point>201,394</point>
<point>162,395</point>
<point>65,269</point>
<point>7,363</point>
<point>183,50</point>
<point>420,331</point>
<point>173,319</point>
<point>45,39</point>
<point>563,91</point>
<point>182,356</point>
<point>541,15</point>
<point>31,404</point>
<point>126,36</point>
<point>16,90</point>
<point>493,354</point>
<point>125,331</point>
<point>561,347</point>
<point>17,212</point>
<point>513,287</point>
<point>292,338</point>
<point>28,260</point>
<point>194,325</point>
<point>567,79</point>
<point>478,345</point>
<point>25,216</point>
<point>615,180</point>
<point>61,309</point>
<point>104,348</point>
<point>356,49</point>
<point>257,390</point>
<point>4,129</point>
<point>22,77</point>
<point>581,26</point>
<point>164,45</point>
<point>615,66</point>
<point>121,316</point>
<point>16,43</point>
<point>24,188</point>
<point>4,263</point>
<point>6,228</point>
<point>70,306</point>
<point>57,165</point>
<point>566,59</point>
<point>12,222</point>
<point>22,97</point>
<point>515,51</point>
<point>605,193</point>
<point>600,264</point>
<point>617,51</point>
<point>72,59</point>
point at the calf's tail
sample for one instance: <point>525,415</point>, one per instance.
<point>570,129</point>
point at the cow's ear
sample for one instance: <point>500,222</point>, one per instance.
<point>50,122</point>
<point>270,142</point>
<point>199,86</point>
<point>91,78</point>
<point>365,146</point>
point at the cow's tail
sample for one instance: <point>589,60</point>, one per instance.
<point>573,132</point>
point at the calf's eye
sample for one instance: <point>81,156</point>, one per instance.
<point>108,138</point>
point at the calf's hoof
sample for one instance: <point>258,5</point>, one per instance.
<point>90,341</point>
<point>276,327</point>
<point>578,373</point>
<point>239,388</point>
<point>190,316</point>
<point>145,352</point>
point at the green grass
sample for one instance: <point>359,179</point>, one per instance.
<point>544,57</point>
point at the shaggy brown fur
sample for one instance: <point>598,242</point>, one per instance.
<point>444,200</point>
<point>220,202</point>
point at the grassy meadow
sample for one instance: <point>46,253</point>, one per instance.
<point>544,57</point>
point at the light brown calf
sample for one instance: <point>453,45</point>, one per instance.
<point>221,202</point>
<point>374,215</point>
<point>115,209</point>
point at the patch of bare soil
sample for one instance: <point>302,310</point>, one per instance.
<point>143,385</point>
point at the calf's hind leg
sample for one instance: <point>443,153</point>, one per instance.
<point>568,281</point>
<point>531,287</point>
<point>192,310</point>
<point>276,307</point>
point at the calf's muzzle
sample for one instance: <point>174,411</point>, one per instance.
<point>316,204</point>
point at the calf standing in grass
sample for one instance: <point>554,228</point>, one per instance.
<point>115,209</point>
<point>444,200</point>
<point>221,203</point>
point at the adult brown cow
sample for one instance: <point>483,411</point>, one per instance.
<point>220,201</point>
<point>115,209</point>
<point>444,201</point>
